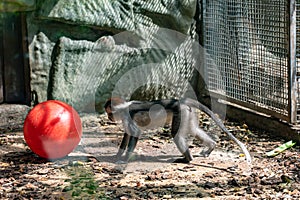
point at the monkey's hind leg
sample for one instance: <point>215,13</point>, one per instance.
<point>206,140</point>
<point>182,146</point>
<point>179,133</point>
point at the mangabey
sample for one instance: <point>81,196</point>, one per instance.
<point>184,122</point>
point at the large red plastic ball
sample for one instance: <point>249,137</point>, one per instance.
<point>52,129</point>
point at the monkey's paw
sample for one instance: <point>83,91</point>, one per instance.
<point>206,153</point>
<point>121,162</point>
<point>181,160</point>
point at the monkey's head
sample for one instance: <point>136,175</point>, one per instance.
<point>109,107</point>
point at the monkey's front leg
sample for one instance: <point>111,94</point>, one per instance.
<point>130,143</point>
<point>131,146</point>
<point>130,138</point>
<point>123,146</point>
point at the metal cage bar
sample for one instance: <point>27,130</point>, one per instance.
<point>295,17</point>
<point>292,62</point>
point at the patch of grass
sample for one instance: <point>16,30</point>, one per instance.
<point>82,183</point>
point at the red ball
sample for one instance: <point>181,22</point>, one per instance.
<point>52,129</point>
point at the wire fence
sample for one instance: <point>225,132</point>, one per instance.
<point>249,42</point>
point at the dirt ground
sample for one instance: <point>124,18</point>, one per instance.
<point>91,172</point>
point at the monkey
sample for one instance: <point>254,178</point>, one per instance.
<point>183,117</point>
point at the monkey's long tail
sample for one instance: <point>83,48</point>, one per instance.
<point>200,106</point>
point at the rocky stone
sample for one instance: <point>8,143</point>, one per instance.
<point>84,74</point>
<point>147,52</point>
<point>40,51</point>
<point>79,68</point>
<point>120,15</point>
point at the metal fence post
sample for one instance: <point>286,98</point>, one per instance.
<point>292,70</point>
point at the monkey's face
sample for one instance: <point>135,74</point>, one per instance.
<point>111,113</point>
